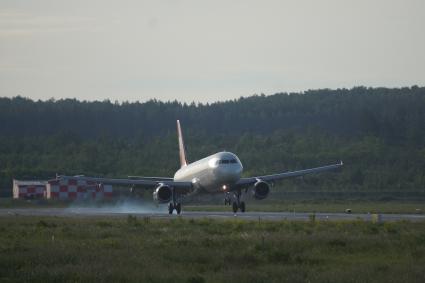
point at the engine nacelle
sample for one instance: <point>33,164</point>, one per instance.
<point>261,190</point>
<point>162,194</point>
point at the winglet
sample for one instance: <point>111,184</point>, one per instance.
<point>182,152</point>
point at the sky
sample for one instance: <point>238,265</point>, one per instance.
<point>206,50</point>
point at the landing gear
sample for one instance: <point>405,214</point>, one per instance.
<point>174,205</point>
<point>177,206</point>
<point>242,206</point>
<point>237,203</point>
<point>227,200</point>
<point>235,207</point>
<point>170,208</point>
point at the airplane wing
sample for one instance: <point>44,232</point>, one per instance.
<point>141,181</point>
<point>150,178</point>
<point>246,182</point>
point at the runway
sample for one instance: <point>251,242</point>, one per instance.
<point>273,216</point>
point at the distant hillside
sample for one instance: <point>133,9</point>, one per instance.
<point>378,132</point>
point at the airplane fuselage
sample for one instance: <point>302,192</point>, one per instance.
<point>214,173</point>
<point>217,173</point>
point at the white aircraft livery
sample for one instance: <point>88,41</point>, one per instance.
<point>217,173</point>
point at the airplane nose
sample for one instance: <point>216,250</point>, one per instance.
<point>229,173</point>
<point>238,170</point>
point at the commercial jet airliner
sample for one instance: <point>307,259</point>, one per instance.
<point>217,173</point>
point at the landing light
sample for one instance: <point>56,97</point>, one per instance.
<point>224,187</point>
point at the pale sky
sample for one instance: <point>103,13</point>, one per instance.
<point>206,51</point>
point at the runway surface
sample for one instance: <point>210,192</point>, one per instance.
<point>300,216</point>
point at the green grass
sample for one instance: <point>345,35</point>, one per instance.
<point>400,207</point>
<point>131,249</point>
<point>23,203</point>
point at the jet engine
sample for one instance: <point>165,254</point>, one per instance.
<point>162,194</point>
<point>261,190</point>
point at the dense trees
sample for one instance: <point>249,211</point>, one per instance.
<point>378,132</point>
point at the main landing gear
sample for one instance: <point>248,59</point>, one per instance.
<point>237,204</point>
<point>174,204</point>
<point>177,206</point>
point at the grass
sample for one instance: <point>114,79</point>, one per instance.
<point>360,206</point>
<point>132,249</point>
<point>31,203</point>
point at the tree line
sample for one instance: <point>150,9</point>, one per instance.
<point>379,133</point>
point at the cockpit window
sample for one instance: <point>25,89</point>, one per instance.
<point>226,161</point>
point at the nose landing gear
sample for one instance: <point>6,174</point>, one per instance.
<point>237,204</point>
<point>227,199</point>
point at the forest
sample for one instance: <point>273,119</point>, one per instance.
<point>379,133</point>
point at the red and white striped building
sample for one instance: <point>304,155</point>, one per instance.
<point>61,189</point>
<point>29,189</point>
<point>76,189</point>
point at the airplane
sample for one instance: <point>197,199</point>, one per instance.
<point>217,173</point>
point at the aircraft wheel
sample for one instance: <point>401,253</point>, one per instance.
<point>170,208</point>
<point>178,208</point>
<point>242,207</point>
<point>235,207</point>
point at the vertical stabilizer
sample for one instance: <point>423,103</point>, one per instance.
<point>182,151</point>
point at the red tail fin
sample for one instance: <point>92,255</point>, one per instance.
<point>182,151</point>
